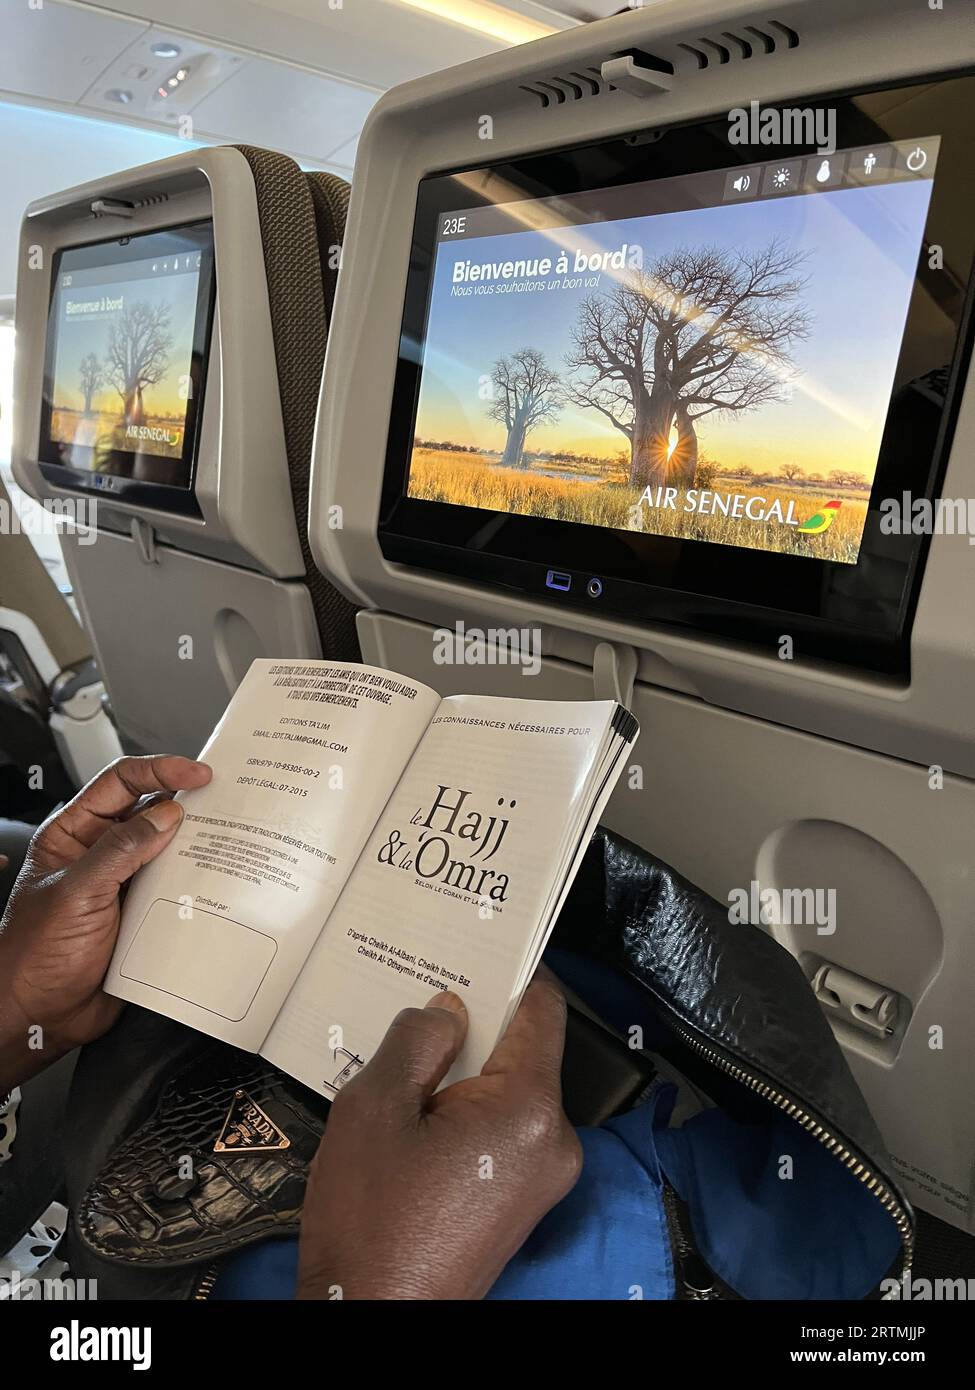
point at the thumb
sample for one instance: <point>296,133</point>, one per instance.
<point>413,1058</point>
<point>125,847</point>
<point>532,1045</point>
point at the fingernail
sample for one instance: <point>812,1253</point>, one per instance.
<point>164,815</point>
<point>447,1000</point>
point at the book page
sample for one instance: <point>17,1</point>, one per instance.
<point>451,886</point>
<point>215,930</point>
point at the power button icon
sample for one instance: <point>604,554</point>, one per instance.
<point>917,159</point>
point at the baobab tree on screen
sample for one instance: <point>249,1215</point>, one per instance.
<point>526,393</point>
<point>702,330</point>
<point>138,354</point>
<point>92,377</point>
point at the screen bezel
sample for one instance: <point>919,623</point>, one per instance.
<point>858,614</point>
<point>160,242</point>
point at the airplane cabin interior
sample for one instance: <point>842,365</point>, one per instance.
<point>559,352</point>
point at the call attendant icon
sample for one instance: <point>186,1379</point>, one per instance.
<point>916,160</point>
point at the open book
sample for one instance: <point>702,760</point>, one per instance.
<point>362,845</point>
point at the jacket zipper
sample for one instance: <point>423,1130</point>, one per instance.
<point>874,1184</point>
<point>204,1288</point>
<point>696,1282</point>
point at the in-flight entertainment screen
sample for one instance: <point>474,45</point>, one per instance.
<point>127,332</point>
<point>708,357</point>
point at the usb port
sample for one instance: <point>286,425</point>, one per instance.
<point>556,579</point>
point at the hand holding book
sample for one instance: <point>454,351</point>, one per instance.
<point>363,843</point>
<point>401,1165</point>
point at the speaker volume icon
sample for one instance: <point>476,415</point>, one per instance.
<point>743,183</point>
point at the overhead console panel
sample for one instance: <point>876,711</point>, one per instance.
<point>672,353</point>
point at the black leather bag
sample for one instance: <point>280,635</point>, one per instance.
<point>184,1150</point>
<point>221,1162</point>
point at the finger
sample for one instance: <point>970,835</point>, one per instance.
<point>413,1058</point>
<point>118,788</point>
<point>533,1042</point>
<point>122,849</point>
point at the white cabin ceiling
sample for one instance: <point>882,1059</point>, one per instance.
<point>295,75</point>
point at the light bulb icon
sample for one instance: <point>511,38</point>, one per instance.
<point>823,172</point>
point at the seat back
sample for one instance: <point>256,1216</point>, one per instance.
<point>831,801</point>
<point>179,598</point>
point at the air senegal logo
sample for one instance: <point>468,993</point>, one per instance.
<point>820,521</point>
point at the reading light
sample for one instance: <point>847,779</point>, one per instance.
<point>167,88</point>
<point>164,50</point>
<point>485,18</point>
<point>119,94</point>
